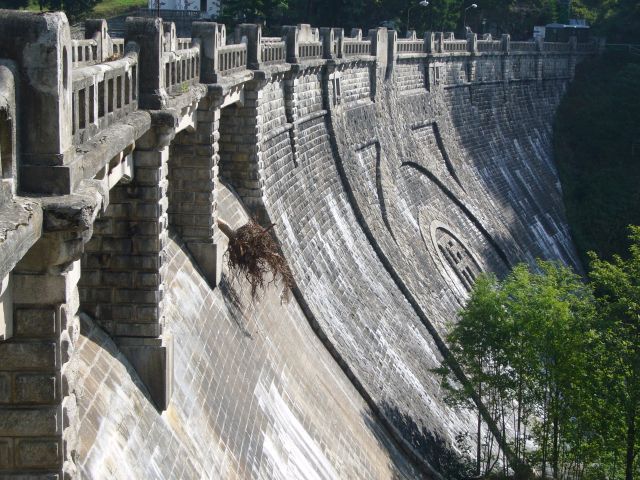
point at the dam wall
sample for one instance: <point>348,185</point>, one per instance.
<point>394,171</point>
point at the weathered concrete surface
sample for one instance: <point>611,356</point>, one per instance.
<point>256,394</point>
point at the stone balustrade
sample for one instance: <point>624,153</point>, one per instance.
<point>410,46</point>
<point>273,52</point>
<point>103,94</point>
<point>232,58</point>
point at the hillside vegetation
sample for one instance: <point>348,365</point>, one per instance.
<point>597,149</point>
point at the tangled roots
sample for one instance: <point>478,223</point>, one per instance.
<point>254,254</point>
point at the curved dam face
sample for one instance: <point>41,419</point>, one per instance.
<point>388,199</point>
<point>391,172</point>
<point>256,394</point>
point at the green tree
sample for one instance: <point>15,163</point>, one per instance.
<point>617,286</point>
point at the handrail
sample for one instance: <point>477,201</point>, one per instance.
<point>556,47</point>
<point>310,50</point>
<point>410,46</point>
<point>102,94</point>
<point>84,52</point>
<point>352,48</point>
<point>489,45</point>
<point>183,43</point>
<point>455,45</point>
<point>232,58</point>
<point>181,69</point>
<point>524,46</point>
<point>273,52</point>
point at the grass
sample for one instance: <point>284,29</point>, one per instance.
<point>113,8</point>
<point>104,8</point>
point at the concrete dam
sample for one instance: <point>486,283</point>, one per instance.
<point>395,170</point>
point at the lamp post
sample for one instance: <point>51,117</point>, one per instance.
<point>464,19</point>
<point>423,3</point>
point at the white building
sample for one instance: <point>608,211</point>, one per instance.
<point>206,8</point>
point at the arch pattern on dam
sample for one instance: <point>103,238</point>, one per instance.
<point>394,171</point>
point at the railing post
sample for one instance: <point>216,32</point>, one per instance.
<point>97,29</point>
<point>439,40</point>
<point>212,36</point>
<point>40,45</point>
<point>327,38</point>
<point>573,47</point>
<point>253,35</point>
<point>290,34</point>
<point>472,43</point>
<point>170,37</point>
<point>148,33</point>
<point>539,57</point>
<point>338,35</point>
<point>506,60</point>
<point>429,42</point>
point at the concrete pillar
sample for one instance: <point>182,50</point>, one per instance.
<point>193,177</point>
<point>240,159</point>
<point>506,59</point>
<point>338,35</point>
<point>327,38</point>
<point>40,46</point>
<point>212,36</point>
<point>122,284</point>
<point>539,58</point>
<point>38,419</point>
<point>439,40</point>
<point>430,42</point>
<point>573,47</point>
<point>97,29</point>
<point>252,35</point>
<point>148,33</point>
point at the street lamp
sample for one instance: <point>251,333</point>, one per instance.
<point>423,3</point>
<point>464,20</point>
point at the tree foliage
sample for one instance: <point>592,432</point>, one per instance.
<point>556,361</point>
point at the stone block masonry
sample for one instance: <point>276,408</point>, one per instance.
<point>374,157</point>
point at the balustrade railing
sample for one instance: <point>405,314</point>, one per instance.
<point>455,45</point>
<point>585,47</point>
<point>489,46</point>
<point>310,50</point>
<point>232,58</point>
<point>181,69</point>
<point>410,46</point>
<point>102,94</point>
<point>524,46</point>
<point>273,52</point>
<point>84,52</point>
<point>117,45</point>
<point>556,47</point>
<point>183,43</point>
<point>354,48</point>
